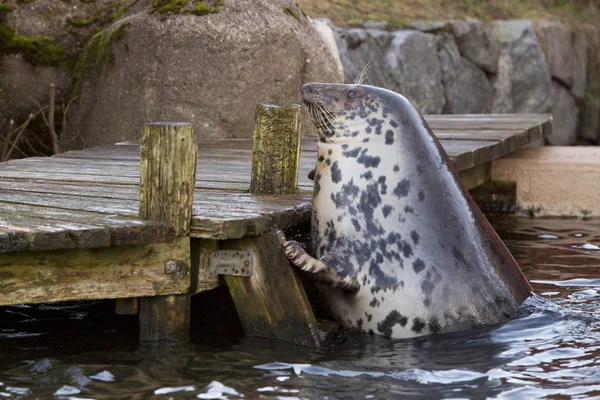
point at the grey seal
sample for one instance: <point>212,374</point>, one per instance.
<point>399,246</point>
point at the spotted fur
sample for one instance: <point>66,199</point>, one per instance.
<point>405,251</point>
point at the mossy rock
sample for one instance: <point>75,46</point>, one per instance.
<point>98,54</point>
<point>195,7</point>
<point>38,50</point>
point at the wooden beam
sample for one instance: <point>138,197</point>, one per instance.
<point>168,157</point>
<point>272,302</point>
<point>200,252</point>
<point>105,273</point>
<point>476,176</point>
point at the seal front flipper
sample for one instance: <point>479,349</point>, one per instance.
<point>318,269</point>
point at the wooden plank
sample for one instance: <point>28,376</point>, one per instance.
<point>51,228</point>
<point>275,308</point>
<point>107,273</point>
<point>200,254</point>
<point>476,176</point>
<point>468,153</point>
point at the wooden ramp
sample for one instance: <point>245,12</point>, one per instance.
<point>81,208</point>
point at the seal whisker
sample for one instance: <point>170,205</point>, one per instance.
<point>363,75</point>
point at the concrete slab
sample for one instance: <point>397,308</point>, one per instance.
<point>553,181</point>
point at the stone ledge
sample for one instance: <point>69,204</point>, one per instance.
<point>554,181</point>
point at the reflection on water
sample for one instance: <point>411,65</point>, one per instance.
<point>551,350</point>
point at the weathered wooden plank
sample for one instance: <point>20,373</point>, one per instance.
<point>53,228</point>
<point>165,318</point>
<point>476,176</point>
<point>275,307</point>
<point>222,228</point>
<point>106,273</point>
<point>467,154</point>
<point>200,254</point>
<point>483,123</point>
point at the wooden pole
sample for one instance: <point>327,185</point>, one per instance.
<point>167,177</point>
<point>272,302</point>
<point>276,154</point>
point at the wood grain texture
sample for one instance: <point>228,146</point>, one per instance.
<point>276,151</point>
<point>90,198</point>
<point>272,302</point>
<point>168,157</point>
<point>165,318</point>
<point>107,273</point>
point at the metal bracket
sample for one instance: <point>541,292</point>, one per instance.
<point>230,262</point>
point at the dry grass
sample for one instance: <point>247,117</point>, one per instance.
<point>399,12</point>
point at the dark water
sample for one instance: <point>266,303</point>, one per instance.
<point>552,350</point>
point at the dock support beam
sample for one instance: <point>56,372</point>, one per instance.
<point>167,178</point>
<point>272,302</point>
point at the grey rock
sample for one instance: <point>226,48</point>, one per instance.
<point>522,83</point>
<point>564,116</point>
<point>428,26</point>
<point>466,87</point>
<point>557,43</point>
<point>23,85</point>
<point>325,27</point>
<point>210,70</point>
<point>580,45</point>
<point>370,24</point>
<point>590,113</point>
<point>404,61</point>
<point>477,43</point>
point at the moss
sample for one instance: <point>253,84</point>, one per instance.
<point>97,54</point>
<point>88,1</point>
<point>291,12</point>
<point>188,7</point>
<point>37,50</point>
<point>6,7</point>
<point>80,22</point>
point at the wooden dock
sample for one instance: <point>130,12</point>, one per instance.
<point>70,226</point>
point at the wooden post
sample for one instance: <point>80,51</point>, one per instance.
<point>272,302</point>
<point>127,306</point>
<point>167,178</point>
<point>276,154</point>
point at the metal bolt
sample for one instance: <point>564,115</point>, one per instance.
<point>170,267</point>
<point>246,263</point>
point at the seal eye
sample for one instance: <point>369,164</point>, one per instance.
<point>351,94</point>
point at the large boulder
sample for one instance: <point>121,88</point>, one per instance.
<point>404,61</point>
<point>467,88</point>
<point>564,116</point>
<point>39,42</point>
<point>209,68</point>
<point>477,43</point>
<point>557,44</point>
<point>522,83</point>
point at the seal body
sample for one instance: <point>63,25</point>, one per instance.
<point>392,224</point>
